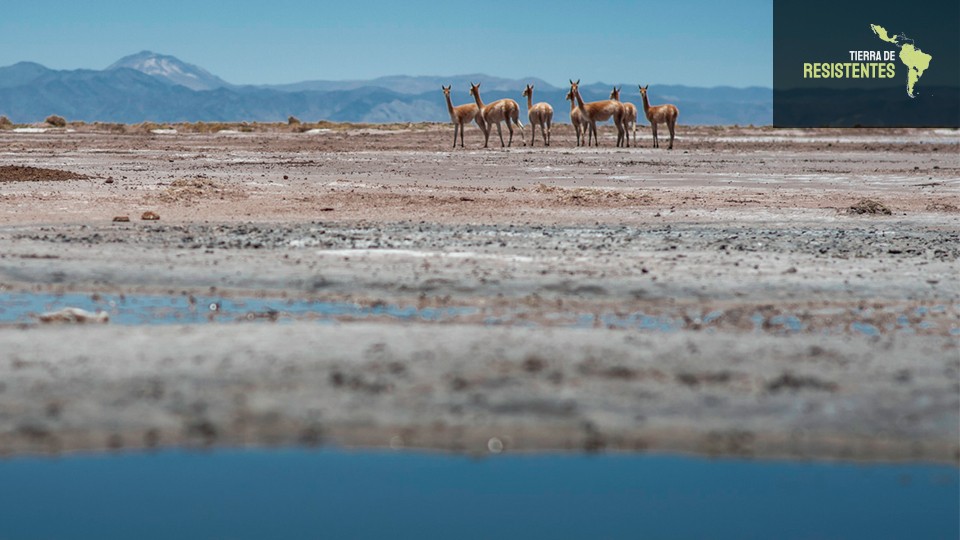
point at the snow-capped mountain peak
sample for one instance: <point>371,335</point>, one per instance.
<point>172,70</point>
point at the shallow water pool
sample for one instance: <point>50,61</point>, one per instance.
<point>187,309</point>
<point>141,309</point>
<point>301,493</point>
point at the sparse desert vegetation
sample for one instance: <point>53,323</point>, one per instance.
<point>56,121</point>
<point>869,206</point>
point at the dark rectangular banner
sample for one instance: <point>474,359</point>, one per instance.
<point>876,63</point>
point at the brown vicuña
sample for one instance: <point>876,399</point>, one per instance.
<point>502,110</point>
<point>461,115</point>
<point>540,114</point>
<point>629,115</point>
<point>661,114</point>
<point>577,119</point>
<point>599,111</point>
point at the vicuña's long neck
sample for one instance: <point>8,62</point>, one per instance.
<point>579,100</point>
<point>646,104</point>
<point>529,101</point>
<point>479,101</point>
<point>449,104</point>
<point>573,104</point>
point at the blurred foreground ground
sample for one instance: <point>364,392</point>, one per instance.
<point>720,298</point>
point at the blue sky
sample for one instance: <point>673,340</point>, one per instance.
<point>693,42</point>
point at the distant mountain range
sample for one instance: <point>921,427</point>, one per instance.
<point>160,88</point>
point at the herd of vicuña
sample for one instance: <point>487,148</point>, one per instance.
<point>583,116</point>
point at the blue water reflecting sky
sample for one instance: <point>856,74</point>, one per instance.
<point>335,494</point>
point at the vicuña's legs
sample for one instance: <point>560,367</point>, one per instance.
<point>548,131</point>
<point>656,142</point>
<point>533,132</point>
<point>516,120</point>
<point>672,126</point>
<point>510,129</point>
<point>620,130</point>
<point>500,133</point>
<point>480,124</point>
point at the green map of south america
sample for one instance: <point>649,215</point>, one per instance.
<point>916,60</point>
